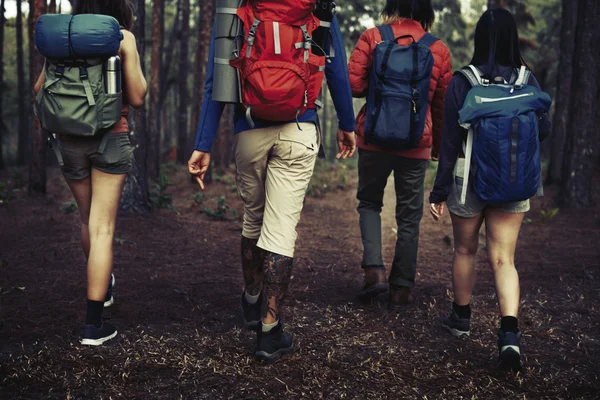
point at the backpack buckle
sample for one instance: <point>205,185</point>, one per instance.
<point>83,73</point>
<point>60,69</point>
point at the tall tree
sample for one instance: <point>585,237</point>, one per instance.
<point>496,3</point>
<point>184,68</point>
<point>154,159</point>
<point>22,94</point>
<point>37,163</point>
<point>136,199</point>
<point>563,90</point>
<point>52,7</point>
<point>2,126</point>
<point>580,155</point>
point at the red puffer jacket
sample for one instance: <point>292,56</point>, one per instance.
<point>359,68</point>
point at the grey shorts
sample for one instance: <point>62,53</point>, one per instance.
<point>473,205</point>
<point>111,153</point>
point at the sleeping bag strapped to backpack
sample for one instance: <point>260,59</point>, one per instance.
<point>280,76</point>
<point>503,137</point>
<point>398,96</point>
<point>73,100</point>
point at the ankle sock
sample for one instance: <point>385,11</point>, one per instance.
<point>462,311</point>
<point>252,299</point>
<point>93,314</point>
<point>509,324</point>
<point>268,327</point>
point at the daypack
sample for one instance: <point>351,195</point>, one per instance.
<point>280,76</point>
<point>398,96</point>
<point>502,145</point>
<point>73,101</point>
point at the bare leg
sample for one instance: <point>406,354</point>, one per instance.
<point>466,241</point>
<point>252,265</point>
<point>502,230</point>
<point>82,191</point>
<point>106,192</point>
<point>277,274</point>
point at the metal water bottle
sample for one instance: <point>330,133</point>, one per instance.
<point>112,75</point>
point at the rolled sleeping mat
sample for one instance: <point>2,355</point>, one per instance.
<point>226,82</point>
<point>64,36</point>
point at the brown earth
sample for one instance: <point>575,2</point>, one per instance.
<point>177,292</point>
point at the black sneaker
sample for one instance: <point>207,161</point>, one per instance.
<point>273,344</point>
<point>457,326</point>
<point>509,347</point>
<point>93,336</point>
<point>251,313</point>
<point>109,300</point>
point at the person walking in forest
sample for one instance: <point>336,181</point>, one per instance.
<point>95,160</point>
<point>276,146</point>
<point>506,111</point>
<point>403,71</point>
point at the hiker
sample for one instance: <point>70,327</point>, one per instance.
<point>92,135</point>
<point>275,149</point>
<point>403,71</point>
<point>493,176</point>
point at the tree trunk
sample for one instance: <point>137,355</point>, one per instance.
<point>576,190</point>
<point>221,153</point>
<point>154,160</point>
<point>2,125</point>
<point>37,164</point>
<point>135,199</point>
<point>22,93</point>
<point>204,33</point>
<point>184,69</point>
<point>563,90</point>
<point>52,7</point>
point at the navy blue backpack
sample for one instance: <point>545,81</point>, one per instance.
<point>398,95</point>
<point>502,145</point>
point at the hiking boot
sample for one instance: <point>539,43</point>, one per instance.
<point>109,299</point>
<point>399,299</point>
<point>375,283</point>
<point>251,313</point>
<point>93,336</point>
<point>457,326</point>
<point>509,347</point>
<point>273,344</point>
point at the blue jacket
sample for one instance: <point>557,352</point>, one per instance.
<point>336,73</point>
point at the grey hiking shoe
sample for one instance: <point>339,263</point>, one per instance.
<point>457,326</point>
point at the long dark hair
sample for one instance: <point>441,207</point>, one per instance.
<point>419,10</point>
<point>122,10</point>
<point>497,41</point>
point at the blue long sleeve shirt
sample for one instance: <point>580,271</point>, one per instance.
<point>336,73</point>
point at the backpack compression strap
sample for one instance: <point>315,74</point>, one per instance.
<point>386,32</point>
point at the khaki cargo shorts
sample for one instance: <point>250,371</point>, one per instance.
<point>274,166</point>
<point>111,153</point>
<point>473,205</point>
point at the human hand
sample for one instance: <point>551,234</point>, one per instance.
<point>346,143</point>
<point>437,210</point>
<point>198,165</point>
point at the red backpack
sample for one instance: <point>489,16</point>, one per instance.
<point>279,75</point>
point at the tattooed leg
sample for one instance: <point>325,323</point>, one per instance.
<point>277,272</point>
<point>252,265</point>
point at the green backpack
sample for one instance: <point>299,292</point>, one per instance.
<point>73,101</point>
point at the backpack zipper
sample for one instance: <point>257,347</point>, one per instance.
<point>489,100</point>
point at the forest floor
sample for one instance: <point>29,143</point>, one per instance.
<point>178,283</point>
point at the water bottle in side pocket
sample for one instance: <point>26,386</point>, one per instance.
<point>112,75</point>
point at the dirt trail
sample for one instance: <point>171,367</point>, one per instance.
<point>177,293</point>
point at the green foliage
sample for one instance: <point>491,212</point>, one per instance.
<point>159,196</point>
<point>68,207</point>
<point>221,210</point>
<point>198,198</point>
<point>549,214</point>
<point>8,192</point>
<point>430,174</point>
<point>329,177</point>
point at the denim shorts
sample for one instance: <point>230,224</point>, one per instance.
<point>473,205</point>
<point>111,153</point>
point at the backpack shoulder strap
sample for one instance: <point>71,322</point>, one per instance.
<point>428,39</point>
<point>472,74</point>
<point>386,32</point>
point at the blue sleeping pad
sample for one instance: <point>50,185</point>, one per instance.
<point>63,36</point>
